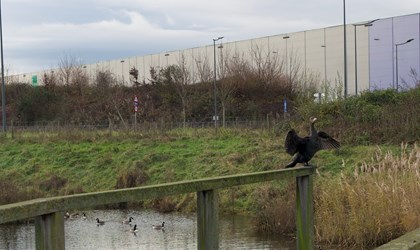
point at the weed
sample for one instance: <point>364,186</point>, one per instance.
<point>53,184</point>
<point>132,178</point>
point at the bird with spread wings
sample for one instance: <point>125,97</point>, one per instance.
<point>303,149</point>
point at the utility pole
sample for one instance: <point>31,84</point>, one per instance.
<point>3,89</point>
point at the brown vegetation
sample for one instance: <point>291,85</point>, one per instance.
<point>246,90</point>
<point>378,203</point>
<point>132,178</point>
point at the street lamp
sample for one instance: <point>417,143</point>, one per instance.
<point>3,89</point>
<point>325,63</point>
<point>214,80</point>
<point>167,55</point>
<point>396,59</point>
<point>355,49</point>
<point>345,49</point>
<point>122,70</point>
<point>287,60</point>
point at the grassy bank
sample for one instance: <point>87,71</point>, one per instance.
<point>365,195</point>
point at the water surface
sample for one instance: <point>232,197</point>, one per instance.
<point>236,232</point>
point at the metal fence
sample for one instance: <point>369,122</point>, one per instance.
<point>54,126</point>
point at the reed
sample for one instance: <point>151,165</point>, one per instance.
<point>378,202</point>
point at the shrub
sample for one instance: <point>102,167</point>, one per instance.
<point>10,192</point>
<point>164,205</point>
<point>276,209</point>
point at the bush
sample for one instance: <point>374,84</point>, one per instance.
<point>376,117</point>
<point>10,192</point>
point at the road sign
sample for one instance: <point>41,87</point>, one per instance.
<point>285,105</point>
<point>136,104</point>
<point>35,80</point>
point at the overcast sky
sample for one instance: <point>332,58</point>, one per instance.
<point>37,33</point>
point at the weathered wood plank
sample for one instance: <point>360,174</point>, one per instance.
<point>207,220</point>
<point>33,208</point>
<point>304,213</point>
<point>408,241</point>
<point>49,231</point>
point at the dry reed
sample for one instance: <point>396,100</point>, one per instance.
<point>376,204</point>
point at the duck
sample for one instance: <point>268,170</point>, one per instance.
<point>68,215</point>
<point>134,229</point>
<point>159,227</point>
<point>99,222</point>
<point>128,220</point>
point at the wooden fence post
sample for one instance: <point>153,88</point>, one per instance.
<point>304,213</point>
<point>49,231</point>
<point>207,220</point>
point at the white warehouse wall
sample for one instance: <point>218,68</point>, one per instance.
<point>319,52</point>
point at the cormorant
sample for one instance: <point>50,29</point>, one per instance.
<point>306,147</point>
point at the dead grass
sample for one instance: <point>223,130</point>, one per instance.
<point>377,203</point>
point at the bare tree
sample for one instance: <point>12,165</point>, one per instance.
<point>69,67</point>
<point>49,79</point>
<point>226,85</point>
<point>110,98</point>
<point>269,67</point>
<point>204,73</point>
<point>414,78</point>
<point>178,76</point>
<point>134,76</point>
<point>294,69</point>
<point>182,78</point>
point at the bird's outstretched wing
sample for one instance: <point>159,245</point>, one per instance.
<point>327,142</point>
<point>292,142</point>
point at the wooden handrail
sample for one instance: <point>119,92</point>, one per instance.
<point>51,206</point>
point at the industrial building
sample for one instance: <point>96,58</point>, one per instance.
<point>380,53</point>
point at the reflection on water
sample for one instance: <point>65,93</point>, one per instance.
<point>179,233</point>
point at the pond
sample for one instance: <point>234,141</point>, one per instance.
<point>236,232</point>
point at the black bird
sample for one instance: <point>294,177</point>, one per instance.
<point>306,147</point>
<point>99,222</point>
<point>128,220</point>
<point>134,229</point>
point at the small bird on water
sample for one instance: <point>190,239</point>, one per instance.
<point>99,222</point>
<point>128,220</point>
<point>134,229</point>
<point>159,227</point>
<point>305,148</point>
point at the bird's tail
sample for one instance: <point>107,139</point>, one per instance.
<point>292,164</point>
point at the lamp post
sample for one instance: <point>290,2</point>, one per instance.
<point>287,60</point>
<point>355,49</point>
<point>3,89</point>
<point>396,60</point>
<point>345,49</point>
<point>167,55</point>
<point>214,81</point>
<point>325,63</point>
<point>122,70</point>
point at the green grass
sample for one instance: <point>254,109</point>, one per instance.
<point>35,165</point>
<point>94,161</point>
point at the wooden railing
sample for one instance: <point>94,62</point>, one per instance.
<point>49,212</point>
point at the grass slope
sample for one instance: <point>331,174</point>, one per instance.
<point>93,161</point>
